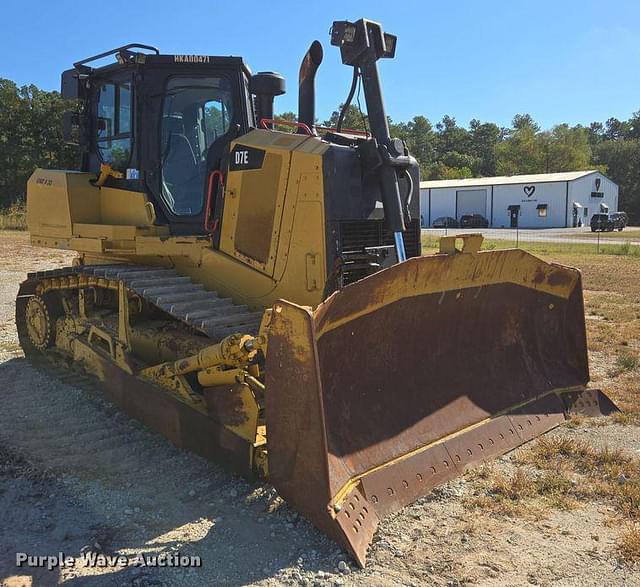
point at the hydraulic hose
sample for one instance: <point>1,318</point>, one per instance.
<point>352,91</point>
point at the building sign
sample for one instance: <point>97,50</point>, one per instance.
<point>597,184</point>
<point>597,194</point>
<point>529,190</point>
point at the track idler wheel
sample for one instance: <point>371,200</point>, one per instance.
<point>38,328</point>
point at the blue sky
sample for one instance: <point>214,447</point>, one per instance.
<point>564,60</point>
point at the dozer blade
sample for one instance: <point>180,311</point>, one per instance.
<point>400,381</point>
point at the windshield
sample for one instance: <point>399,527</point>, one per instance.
<point>197,112</point>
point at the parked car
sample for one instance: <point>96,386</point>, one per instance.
<point>620,220</point>
<point>445,222</point>
<point>602,222</point>
<point>473,221</point>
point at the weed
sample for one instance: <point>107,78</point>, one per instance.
<point>14,217</point>
<point>629,545</point>
<point>628,498</point>
<point>626,249</point>
<point>627,361</point>
<point>623,417</point>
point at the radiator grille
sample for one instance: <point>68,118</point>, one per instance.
<point>356,236</point>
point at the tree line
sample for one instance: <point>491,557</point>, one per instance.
<point>483,149</point>
<point>31,136</point>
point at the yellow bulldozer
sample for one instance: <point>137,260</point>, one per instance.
<point>260,297</point>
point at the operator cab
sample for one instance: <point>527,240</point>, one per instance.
<point>163,123</point>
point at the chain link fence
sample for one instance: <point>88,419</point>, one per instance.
<point>569,240</point>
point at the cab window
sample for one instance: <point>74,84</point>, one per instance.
<point>196,113</point>
<point>217,121</point>
<point>113,125</point>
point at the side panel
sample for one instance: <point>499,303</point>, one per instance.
<point>259,207</point>
<point>57,199</point>
<point>123,207</point>
<point>273,222</point>
<point>254,197</point>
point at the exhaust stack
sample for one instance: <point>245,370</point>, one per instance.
<point>306,81</point>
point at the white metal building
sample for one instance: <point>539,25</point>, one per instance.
<point>544,200</point>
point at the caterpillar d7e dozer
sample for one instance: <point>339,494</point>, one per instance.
<point>260,298</point>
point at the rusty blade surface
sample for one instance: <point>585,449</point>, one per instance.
<point>400,381</point>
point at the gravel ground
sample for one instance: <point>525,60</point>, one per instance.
<point>78,476</point>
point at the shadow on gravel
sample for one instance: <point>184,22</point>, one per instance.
<point>89,479</point>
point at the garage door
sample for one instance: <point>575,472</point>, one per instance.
<point>471,202</point>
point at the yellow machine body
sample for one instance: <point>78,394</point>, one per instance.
<point>272,243</point>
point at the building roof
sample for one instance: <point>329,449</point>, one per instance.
<point>506,179</point>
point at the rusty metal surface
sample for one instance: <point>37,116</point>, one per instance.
<point>294,413</point>
<point>534,419</point>
<point>390,388</point>
<point>445,273</point>
<point>225,402</point>
<point>427,366</point>
<point>358,521</point>
<point>589,402</point>
<point>393,487</point>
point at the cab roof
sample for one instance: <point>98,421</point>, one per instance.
<point>141,54</point>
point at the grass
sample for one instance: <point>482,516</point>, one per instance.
<point>629,545</point>
<point>626,362</point>
<point>561,472</point>
<point>525,492</point>
<point>605,473</point>
<point>430,245</point>
<point>625,234</point>
<point>14,217</point>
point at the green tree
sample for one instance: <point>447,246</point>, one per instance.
<point>616,129</point>
<point>566,149</point>
<point>622,160</point>
<point>521,151</point>
<point>289,116</point>
<point>30,137</point>
<point>453,151</point>
<point>419,136</point>
<point>484,139</point>
<point>353,119</point>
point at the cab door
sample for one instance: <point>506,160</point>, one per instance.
<point>192,111</point>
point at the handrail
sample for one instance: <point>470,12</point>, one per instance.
<point>346,131</point>
<point>264,122</point>
<point>116,50</point>
<point>211,227</point>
